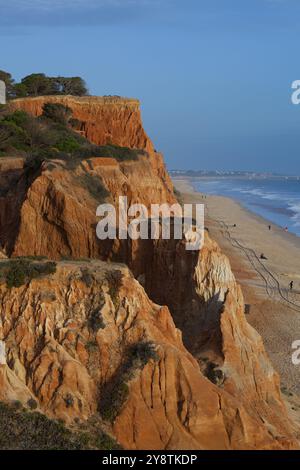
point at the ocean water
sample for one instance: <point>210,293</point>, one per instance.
<point>277,200</point>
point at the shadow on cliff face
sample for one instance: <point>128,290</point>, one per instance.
<point>167,270</point>
<point>11,201</point>
<point>170,280</point>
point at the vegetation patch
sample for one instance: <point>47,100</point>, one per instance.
<point>214,373</point>
<point>53,136</point>
<point>141,353</point>
<point>95,321</point>
<point>32,404</point>
<point>58,113</point>
<point>92,346</point>
<point>87,277</point>
<point>111,407</point>
<point>115,394</point>
<point>105,442</point>
<point>114,279</point>
<point>119,153</point>
<point>94,185</point>
<point>18,272</point>
<point>24,430</point>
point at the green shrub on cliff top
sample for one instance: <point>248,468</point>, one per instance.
<point>18,272</point>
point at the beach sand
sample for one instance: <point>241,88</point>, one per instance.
<point>274,310</point>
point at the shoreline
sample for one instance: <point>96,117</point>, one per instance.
<point>276,319</point>
<point>186,187</point>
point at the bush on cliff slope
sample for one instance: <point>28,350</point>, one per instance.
<point>119,153</point>
<point>57,112</point>
<point>114,395</point>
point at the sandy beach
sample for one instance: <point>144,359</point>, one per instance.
<point>274,310</point>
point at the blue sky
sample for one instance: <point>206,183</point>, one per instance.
<point>214,76</point>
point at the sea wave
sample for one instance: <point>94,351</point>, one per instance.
<point>272,196</point>
<point>296,217</point>
<point>276,200</point>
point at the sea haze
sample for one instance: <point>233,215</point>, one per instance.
<point>277,200</point>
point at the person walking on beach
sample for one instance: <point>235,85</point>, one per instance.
<point>270,227</point>
<point>291,285</point>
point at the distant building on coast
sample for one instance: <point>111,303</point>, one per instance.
<point>2,92</point>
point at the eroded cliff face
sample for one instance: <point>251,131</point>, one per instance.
<point>53,212</point>
<point>69,338</point>
<point>214,389</point>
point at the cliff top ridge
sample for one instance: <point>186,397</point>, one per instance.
<point>108,99</point>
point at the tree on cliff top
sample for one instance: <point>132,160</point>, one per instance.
<point>70,86</point>
<point>39,84</point>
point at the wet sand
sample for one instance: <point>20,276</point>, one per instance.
<point>274,309</point>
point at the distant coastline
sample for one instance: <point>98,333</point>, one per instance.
<point>203,174</point>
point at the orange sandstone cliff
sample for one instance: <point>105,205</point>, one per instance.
<point>103,120</point>
<point>162,354</point>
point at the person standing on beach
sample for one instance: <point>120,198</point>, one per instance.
<point>269,227</point>
<point>291,285</point>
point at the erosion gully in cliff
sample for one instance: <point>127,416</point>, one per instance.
<point>160,351</point>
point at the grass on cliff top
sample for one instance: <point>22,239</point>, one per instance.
<point>21,429</point>
<point>53,135</point>
<point>17,272</point>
